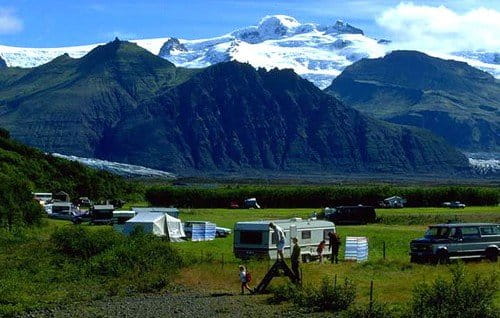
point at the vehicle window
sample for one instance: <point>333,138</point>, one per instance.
<point>325,233</point>
<point>487,230</point>
<point>496,229</point>
<point>470,231</point>
<point>306,235</point>
<point>251,237</point>
<point>440,232</point>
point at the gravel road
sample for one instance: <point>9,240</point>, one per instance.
<point>176,305</point>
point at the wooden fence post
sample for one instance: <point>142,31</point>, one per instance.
<point>371,296</point>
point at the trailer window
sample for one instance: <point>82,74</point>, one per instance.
<point>251,237</point>
<point>306,235</point>
<point>325,233</point>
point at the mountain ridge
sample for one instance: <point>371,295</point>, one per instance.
<point>316,52</point>
<point>452,99</point>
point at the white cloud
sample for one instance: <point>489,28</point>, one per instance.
<point>442,29</point>
<point>9,22</point>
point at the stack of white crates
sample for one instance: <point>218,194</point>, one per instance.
<point>356,249</point>
<point>202,231</point>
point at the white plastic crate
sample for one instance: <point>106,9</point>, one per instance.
<point>356,248</point>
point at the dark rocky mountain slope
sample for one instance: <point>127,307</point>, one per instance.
<point>124,104</point>
<point>450,98</point>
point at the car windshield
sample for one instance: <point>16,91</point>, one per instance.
<point>437,232</point>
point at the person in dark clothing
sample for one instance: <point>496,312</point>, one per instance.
<point>295,257</point>
<point>333,245</point>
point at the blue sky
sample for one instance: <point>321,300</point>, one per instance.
<point>49,23</point>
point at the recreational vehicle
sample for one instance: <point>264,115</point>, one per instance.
<point>256,239</point>
<point>42,197</point>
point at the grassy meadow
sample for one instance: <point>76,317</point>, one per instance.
<point>38,273</point>
<point>215,267</point>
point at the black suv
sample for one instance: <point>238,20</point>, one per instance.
<point>443,242</point>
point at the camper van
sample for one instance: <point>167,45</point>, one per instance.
<point>256,239</point>
<point>42,197</point>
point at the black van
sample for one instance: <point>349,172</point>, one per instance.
<point>359,214</point>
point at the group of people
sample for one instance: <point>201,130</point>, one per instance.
<point>333,246</point>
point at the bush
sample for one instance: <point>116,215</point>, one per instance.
<point>328,297</point>
<point>464,296</point>
<point>377,310</point>
<point>283,293</point>
<point>318,196</point>
<point>17,207</point>
<point>78,242</point>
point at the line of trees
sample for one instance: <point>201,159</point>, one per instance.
<point>318,196</point>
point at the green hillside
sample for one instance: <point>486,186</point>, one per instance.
<point>122,103</point>
<point>450,98</point>
<point>24,169</point>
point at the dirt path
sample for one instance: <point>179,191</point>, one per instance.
<point>177,305</point>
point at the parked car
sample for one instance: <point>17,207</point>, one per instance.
<point>359,214</point>
<point>444,242</point>
<point>454,205</point>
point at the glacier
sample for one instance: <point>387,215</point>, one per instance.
<point>121,169</point>
<point>316,52</point>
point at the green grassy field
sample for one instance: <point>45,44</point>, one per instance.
<point>34,276</point>
<point>215,267</point>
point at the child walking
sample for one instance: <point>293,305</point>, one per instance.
<point>245,278</point>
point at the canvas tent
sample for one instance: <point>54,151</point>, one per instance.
<point>170,211</point>
<point>159,224</point>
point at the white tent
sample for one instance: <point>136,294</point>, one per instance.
<point>153,223</point>
<point>175,228</point>
<point>159,224</point>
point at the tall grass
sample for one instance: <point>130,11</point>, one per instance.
<point>78,263</point>
<point>318,196</point>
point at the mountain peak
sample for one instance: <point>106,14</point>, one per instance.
<point>343,27</point>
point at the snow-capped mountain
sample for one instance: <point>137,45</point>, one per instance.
<point>316,52</point>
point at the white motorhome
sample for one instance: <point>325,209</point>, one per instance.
<point>42,197</point>
<point>256,239</point>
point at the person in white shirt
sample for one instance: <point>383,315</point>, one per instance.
<point>244,279</point>
<point>280,235</point>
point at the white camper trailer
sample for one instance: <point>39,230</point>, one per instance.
<point>256,239</point>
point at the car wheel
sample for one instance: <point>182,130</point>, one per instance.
<point>306,258</point>
<point>492,254</point>
<point>442,257</point>
<point>414,259</point>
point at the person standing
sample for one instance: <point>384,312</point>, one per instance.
<point>280,243</point>
<point>244,279</point>
<point>333,246</point>
<point>296,258</point>
<point>320,249</point>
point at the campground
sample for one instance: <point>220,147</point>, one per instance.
<point>38,279</point>
<point>394,278</point>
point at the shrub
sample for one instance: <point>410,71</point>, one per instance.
<point>318,196</point>
<point>463,296</point>
<point>283,293</point>
<point>78,242</point>
<point>377,310</point>
<point>327,297</point>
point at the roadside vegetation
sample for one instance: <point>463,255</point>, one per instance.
<point>61,264</point>
<point>319,196</point>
